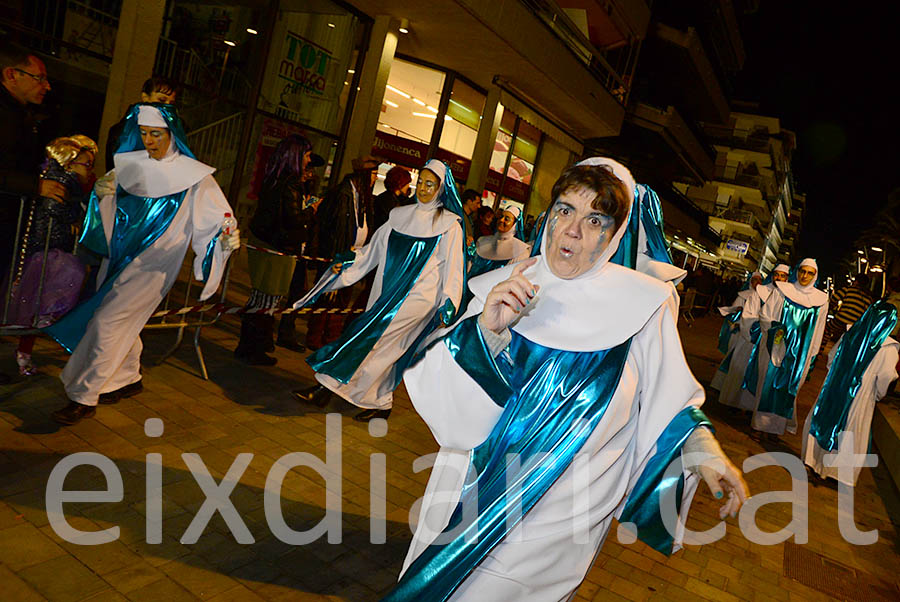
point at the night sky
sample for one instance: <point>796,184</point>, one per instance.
<point>829,71</point>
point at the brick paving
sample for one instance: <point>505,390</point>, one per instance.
<point>248,410</point>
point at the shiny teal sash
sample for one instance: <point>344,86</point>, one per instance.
<point>855,352</point>
<point>798,325</point>
<point>646,211</point>
<point>139,222</point>
<point>552,402</point>
<point>729,327</point>
<point>751,372</point>
<point>406,256</point>
<point>643,507</point>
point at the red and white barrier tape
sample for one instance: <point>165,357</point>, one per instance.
<point>274,252</point>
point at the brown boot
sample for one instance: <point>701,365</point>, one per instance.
<point>73,413</point>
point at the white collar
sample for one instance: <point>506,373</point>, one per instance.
<point>501,246</point>
<point>593,312</point>
<point>422,220</point>
<point>808,296</point>
<point>142,176</point>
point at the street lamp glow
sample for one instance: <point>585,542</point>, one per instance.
<point>861,252</point>
<point>879,249</point>
<point>252,31</point>
<point>230,43</point>
<point>331,25</point>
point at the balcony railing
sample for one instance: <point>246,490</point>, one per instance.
<point>726,135</point>
<point>741,216</point>
<point>597,61</point>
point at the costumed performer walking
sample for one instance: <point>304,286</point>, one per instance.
<point>559,401</point>
<point>165,200</point>
<point>739,333</point>
<point>419,257</point>
<point>792,323</point>
<point>861,367</point>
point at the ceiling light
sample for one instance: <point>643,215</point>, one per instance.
<point>331,25</point>
<point>351,70</point>
<point>860,252</point>
<point>230,43</point>
<point>418,102</point>
<point>862,260</point>
<point>427,115</point>
<point>431,108</point>
<point>879,249</point>
<point>404,26</point>
<point>391,103</point>
<point>252,31</point>
<point>396,91</point>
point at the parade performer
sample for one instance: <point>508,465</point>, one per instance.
<point>419,257</point>
<point>861,367</point>
<point>792,322</point>
<point>504,246</point>
<point>736,340</point>
<point>781,273</point>
<point>165,201</point>
<point>559,400</point>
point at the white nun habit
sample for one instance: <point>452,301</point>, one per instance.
<point>539,559</point>
<point>108,356</point>
<point>805,296</point>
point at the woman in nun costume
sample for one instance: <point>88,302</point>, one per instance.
<point>419,258</point>
<point>736,339</point>
<point>861,367</point>
<point>560,400</point>
<point>165,201</point>
<point>792,323</point>
<point>505,246</point>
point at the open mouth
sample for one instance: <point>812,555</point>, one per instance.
<point>566,252</point>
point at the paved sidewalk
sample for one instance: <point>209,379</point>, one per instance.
<point>248,410</point>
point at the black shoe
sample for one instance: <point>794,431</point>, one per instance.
<point>256,359</point>
<point>122,393</point>
<point>317,395</point>
<point>367,415</point>
<point>73,413</point>
<point>292,345</point>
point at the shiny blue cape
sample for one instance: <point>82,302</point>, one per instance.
<point>855,352</point>
<point>138,223</point>
<point>552,401</point>
<point>751,372</point>
<point>797,326</point>
<point>729,327</point>
<point>405,258</point>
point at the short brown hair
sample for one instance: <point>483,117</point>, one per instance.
<point>612,195</point>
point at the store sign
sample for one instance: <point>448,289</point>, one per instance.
<point>304,65</point>
<point>411,153</point>
<point>738,246</point>
<point>517,191</point>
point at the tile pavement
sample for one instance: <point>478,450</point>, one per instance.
<point>248,410</point>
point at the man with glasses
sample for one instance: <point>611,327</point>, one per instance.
<point>24,85</point>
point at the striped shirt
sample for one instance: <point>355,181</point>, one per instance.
<point>853,301</point>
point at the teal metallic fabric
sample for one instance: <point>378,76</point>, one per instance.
<point>855,352</point>
<point>781,384</point>
<point>139,222</point>
<point>729,327</point>
<point>552,402</point>
<point>405,258</point>
<point>643,506</point>
<point>751,373</point>
<point>652,219</point>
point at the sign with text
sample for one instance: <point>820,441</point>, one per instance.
<point>738,246</point>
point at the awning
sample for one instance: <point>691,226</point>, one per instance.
<point>509,101</point>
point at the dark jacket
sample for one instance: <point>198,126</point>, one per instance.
<point>336,222</point>
<point>280,219</point>
<point>21,145</point>
<point>383,203</point>
<point>66,216</point>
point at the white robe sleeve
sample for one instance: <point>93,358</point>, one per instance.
<point>367,259</point>
<point>208,212</point>
<point>750,315</point>
<point>666,387</point>
<point>451,250</point>
<point>887,359</point>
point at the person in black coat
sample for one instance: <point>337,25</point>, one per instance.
<point>396,193</point>
<point>343,221</point>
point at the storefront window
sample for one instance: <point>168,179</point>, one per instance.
<point>462,120</point>
<point>311,65</point>
<point>411,100</point>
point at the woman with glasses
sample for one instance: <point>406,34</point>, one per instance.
<point>419,260</point>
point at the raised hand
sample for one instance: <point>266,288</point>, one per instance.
<point>507,299</point>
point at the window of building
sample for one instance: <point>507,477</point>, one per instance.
<point>411,101</point>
